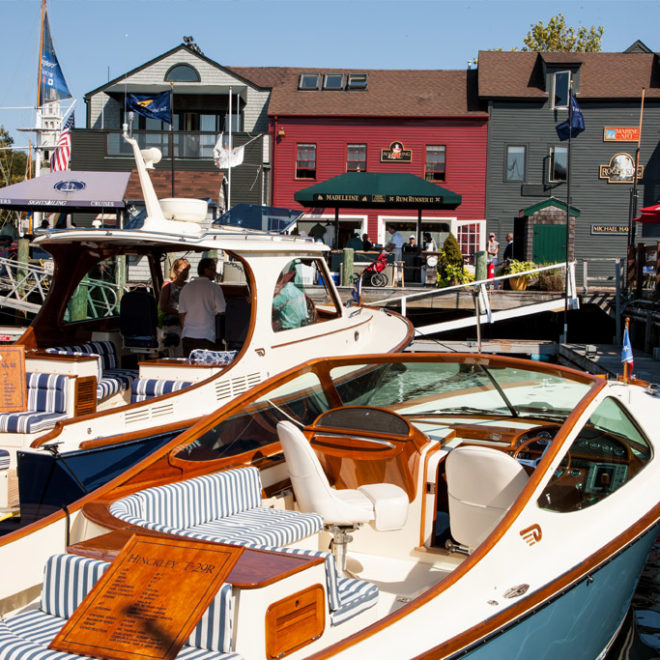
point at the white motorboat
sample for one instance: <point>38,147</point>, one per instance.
<point>100,395</point>
<point>398,506</point>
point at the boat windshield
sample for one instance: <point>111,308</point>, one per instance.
<point>462,388</point>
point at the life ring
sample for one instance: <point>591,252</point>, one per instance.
<point>432,261</point>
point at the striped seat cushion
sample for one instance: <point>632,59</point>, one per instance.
<point>147,388</point>
<point>4,459</point>
<point>46,404</point>
<point>115,380</point>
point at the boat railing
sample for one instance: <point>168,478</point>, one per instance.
<point>482,292</point>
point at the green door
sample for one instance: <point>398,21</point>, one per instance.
<point>549,244</point>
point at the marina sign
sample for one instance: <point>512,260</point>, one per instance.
<point>609,229</point>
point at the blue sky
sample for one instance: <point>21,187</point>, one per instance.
<point>96,40</point>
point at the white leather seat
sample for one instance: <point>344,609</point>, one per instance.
<point>386,505</point>
<point>482,484</point>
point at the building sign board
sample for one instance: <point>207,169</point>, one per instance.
<point>620,169</point>
<point>613,230</point>
<point>621,134</point>
<point>389,200</point>
<point>13,390</point>
<point>396,154</point>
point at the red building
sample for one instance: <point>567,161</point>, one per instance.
<point>429,123</point>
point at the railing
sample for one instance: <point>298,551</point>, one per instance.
<point>644,268</point>
<point>482,291</point>
<point>24,286</point>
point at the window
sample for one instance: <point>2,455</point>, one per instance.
<point>309,81</point>
<point>182,73</point>
<point>292,306</point>
<point>306,161</point>
<point>561,84</point>
<point>435,163</point>
<point>608,452</point>
<point>333,81</point>
<point>357,81</point>
<point>356,158</point>
<point>558,164</point>
<point>468,239</point>
<point>515,164</point>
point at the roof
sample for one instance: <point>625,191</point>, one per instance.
<point>381,190</point>
<point>70,190</point>
<point>197,185</point>
<point>389,93</point>
<point>602,75</point>
<point>549,203</point>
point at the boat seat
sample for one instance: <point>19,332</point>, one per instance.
<point>225,506</point>
<point>147,388</point>
<point>482,484</point>
<point>67,581</point>
<point>110,378</point>
<point>46,405</point>
<point>138,320</point>
<point>384,505</point>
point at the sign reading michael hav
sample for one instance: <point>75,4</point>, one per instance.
<point>396,154</point>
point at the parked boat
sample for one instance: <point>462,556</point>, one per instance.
<point>475,506</point>
<point>100,397</point>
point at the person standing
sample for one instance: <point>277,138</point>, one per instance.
<point>168,301</point>
<point>354,241</point>
<point>366,243</point>
<point>492,250</point>
<point>199,303</point>
<point>411,256</point>
<point>396,243</point>
<point>508,250</point>
<point>429,244</point>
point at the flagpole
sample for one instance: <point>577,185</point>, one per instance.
<point>568,210</point>
<point>172,134</point>
<point>625,364</point>
<point>230,153</point>
<point>633,193</point>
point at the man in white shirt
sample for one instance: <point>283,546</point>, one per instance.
<point>396,243</point>
<point>199,302</point>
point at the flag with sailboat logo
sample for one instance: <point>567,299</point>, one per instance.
<point>52,85</point>
<point>154,106</point>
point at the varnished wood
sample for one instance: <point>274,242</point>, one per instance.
<point>254,569</point>
<point>85,395</point>
<point>13,390</point>
<point>295,621</point>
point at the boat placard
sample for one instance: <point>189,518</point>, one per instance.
<point>149,601</point>
<point>13,397</point>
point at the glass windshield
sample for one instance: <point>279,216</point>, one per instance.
<point>428,388</point>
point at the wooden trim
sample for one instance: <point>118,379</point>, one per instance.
<point>85,395</point>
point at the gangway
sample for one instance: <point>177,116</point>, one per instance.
<point>24,286</point>
<point>482,292</point>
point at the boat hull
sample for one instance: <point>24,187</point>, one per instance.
<point>579,623</point>
<point>57,480</point>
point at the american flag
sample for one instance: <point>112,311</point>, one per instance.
<point>59,161</point>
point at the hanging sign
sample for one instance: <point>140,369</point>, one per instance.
<point>620,169</point>
<point>13,389</point>
<point>396,154</point>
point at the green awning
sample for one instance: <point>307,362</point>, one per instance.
<point>378,190</point>
<point>546,203</point>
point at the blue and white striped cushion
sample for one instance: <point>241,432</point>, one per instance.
<point>36,626</point>
<point>146,388</point>
<point>70,350</point>
<point>115,380</point>
<point>67,580</point>
<point>213,632</point>
<point>46,392</point>
<point>4,459</point>
<point>355,596</point>
<point>29,422</point>
<point>212,358</point>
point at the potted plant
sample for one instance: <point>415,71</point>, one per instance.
<point>514,266</point>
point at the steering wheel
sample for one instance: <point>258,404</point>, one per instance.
<point>565,463</point>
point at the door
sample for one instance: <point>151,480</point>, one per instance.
<point>549,244</point>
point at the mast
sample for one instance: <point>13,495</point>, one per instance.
<point>231,146</point>
<point>38,118</point>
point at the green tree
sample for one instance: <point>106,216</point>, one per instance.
<point>558,37</point>
<point>13,167</point>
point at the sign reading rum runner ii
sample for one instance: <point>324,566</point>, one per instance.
<point>149,601</point>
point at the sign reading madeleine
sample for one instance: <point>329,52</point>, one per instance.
<point>148,602</point>
<point>13,389</point>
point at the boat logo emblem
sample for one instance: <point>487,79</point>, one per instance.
<point>70,185</point>
<point>532,534</point>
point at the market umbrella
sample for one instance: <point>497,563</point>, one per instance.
<point>650,215</point>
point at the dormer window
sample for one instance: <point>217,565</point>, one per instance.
<point>182,73</point>
<point>561,89</point>
<point>309,81</point>
<point>333,81</point>
<point>356,81</point>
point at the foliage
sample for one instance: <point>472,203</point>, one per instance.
<point>558,37</point>
<point>13,166</point>
<point>551,280</point>
<point>451,270</point>
<point>515,266</point>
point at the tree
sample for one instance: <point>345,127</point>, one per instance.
<point>558,37</point>
<point>13,166</point>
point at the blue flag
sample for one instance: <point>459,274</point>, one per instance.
<point>154,106</point>
<point>52,86</point>
<point>626,351</point>
<point>576,122</point>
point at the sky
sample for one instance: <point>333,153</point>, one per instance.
<point>98,40</point>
